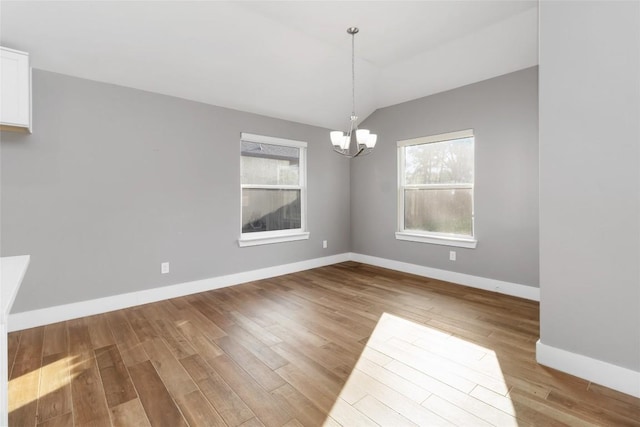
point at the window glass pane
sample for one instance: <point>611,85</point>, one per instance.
<point>269,210</point>
<point>446,162</point>
<point>440,211</point>
<point>268,164</point>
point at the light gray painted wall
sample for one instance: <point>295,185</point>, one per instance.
<point>113,181</point>
<point>503,112</point>
<point>590,180</point>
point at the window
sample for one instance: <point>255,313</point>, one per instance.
<point>435,189</point>
<point>273,185</point>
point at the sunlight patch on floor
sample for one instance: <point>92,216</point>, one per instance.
<point>41,382</point>
<point>411,374</point>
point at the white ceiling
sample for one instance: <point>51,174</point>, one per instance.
<point>285,59</point>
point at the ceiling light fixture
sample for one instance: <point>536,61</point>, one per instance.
<point>365,141</point>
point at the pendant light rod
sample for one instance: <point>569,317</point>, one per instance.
<point>353,31</point>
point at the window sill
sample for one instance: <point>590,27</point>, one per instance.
<point>459,242</point>
<point>267,240</point>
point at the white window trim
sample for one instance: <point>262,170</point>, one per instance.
<point>431,237</point>
<point>261,139</point>
<point>268,237</point>
<point>278,236</point>
<point>460,242</point>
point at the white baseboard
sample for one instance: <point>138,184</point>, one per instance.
<point>599,372</point>
<point>507,288</point>
<point>45,316</point>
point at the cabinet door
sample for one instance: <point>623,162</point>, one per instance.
<point>15,94</point>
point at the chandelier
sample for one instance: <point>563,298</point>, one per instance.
<point>364,140</point>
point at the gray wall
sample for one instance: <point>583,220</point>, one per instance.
<point>590,180</point>
<point>503,112</point>
<point>114,181</point>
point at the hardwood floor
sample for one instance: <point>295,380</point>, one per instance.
<point>348,345</point>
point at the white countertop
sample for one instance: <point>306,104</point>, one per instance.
<point>12,269</point>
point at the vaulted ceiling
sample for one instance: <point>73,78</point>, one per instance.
<point>285,59</point>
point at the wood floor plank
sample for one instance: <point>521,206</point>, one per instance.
<point>128,414</point>
<point>256,330</point>
<point>380,412</point>
<point>293,333</point>
<point>260,402</point>
<point>201,343</point>
<point>253,422</point>
<point>133,355</point>
<point>390,397</point>
<point>121,330</point>
<point>156,400</point>
<point>260,372</point>
<point>494,399</point>
<point>198,411</point>
<point>222,397</point>
<point>116,382</point>
<point>65,420</point>
<point>99,331</point>
<point>13,341</point>
<point>24,381</point>
<point>172,373</point>
<point>456,414</point>
<point>305,384</point>
<point>616,410</point>
<point>176,342</point>
<point>494,381</point>
<point>306,413</point>
<point>330,422</point>
<point>79,338</point>
<point>323,377</point>
<point>403,386</point>
<point>347,415</point>
<point>255,346</point>
<point>552,410</point>
<point>206,327</point>
<point>140,324</point>
<point>56,339</point>
<point>87,395</point>
<point>398,352</point>
<point>207,307</point>
<point>451,394</point>
<point>54,395</point>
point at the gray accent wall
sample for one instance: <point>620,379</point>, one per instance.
<point>590,179</point>
<point>503,112</point>
<point>113,181</point>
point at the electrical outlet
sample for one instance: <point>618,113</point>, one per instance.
<point>452,255</point>
<point>324,244</point>
<point>164,268</point>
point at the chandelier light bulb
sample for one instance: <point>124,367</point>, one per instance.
<point>337,138</point>
<point>371,140</point>
<point>362,136</point>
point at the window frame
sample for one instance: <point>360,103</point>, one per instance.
<point>431,237</point>
<point>277,236</point>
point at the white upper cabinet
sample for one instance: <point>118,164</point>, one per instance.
<point>15,90</point>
